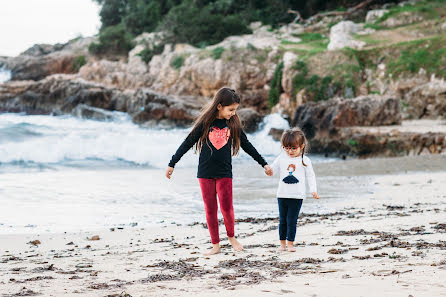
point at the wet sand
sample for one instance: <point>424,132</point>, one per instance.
<point>390,243</point>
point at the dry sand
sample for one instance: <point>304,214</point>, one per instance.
<point>391,245</point>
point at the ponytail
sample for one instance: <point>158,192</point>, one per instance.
<point>303,152</point>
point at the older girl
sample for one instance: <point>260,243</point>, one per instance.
<point>218,135</point>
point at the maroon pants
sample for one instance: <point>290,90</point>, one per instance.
<point>210,189</point>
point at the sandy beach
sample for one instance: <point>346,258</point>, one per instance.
<point>392,244</point>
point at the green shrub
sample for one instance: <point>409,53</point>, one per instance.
<point>78,62</point>
<point>177,62</point>
<point>217,52</point>
<point>307,37</point>
<point>113,39</point>
<point>276,86</point>
<point>148,53</point>
<point>428,54</point>
<point>189,23</point>
<point>318,88</point>
<point>352,142</point>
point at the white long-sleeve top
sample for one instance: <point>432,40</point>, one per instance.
<point>293,182</point>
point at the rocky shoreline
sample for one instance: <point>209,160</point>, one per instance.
<point>171,88</point>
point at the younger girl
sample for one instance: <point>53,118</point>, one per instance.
<point>218,134</point>
<point>295,172</point>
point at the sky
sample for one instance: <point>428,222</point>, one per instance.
<point>24,23</point>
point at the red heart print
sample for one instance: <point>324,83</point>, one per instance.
<point>219,137</point>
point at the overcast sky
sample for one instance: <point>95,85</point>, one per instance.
<point>24,23</point>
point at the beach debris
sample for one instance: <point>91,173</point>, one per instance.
<point>353,232</point>
<point>370,241</point>
<point>374,248</point>
<point>123,294</point>
<point>440,227</point>
<point>35,242</point>
<point>418,254</point>
<point>361,257</point>
<point>333,259</point>
<point>94,237</point>
<point>159,278</point>
<point>393,272</point>
<point>36,278</point>
<point>81,265</point>
<point>26,292</point>
<point>337,251</point>
<point>99,286</point>
<point>394,256</point>
<point>393,207</point>
<point>40,269</point>
<point>419,229</point>
<point>70,243</point>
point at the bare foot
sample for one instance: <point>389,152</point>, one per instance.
<point>235,244</point>
<point>291,248</point>
<point>282,248</point>
<point>214,250</point>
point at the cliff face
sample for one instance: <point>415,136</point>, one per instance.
<point>42,60</point>
<point>378,73</point>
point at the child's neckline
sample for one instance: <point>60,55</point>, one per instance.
<point>286,155</point>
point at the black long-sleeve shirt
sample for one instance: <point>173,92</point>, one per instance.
<point>215,157</point>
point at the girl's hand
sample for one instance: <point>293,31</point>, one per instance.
<point>315,195</point>
<point>268,170</point>
<point>169,172</point>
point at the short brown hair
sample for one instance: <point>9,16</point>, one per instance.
<point>295,137</point>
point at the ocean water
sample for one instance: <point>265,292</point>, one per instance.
<point>69,174</point>
<point>5,75</point>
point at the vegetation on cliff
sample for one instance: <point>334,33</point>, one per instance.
<point>197,22</point>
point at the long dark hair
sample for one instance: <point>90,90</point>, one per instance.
<point>225,96</point>
<point>295,137</point>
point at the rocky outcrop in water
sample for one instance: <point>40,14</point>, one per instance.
<point>389,141</point>
<point>368,126</point>
<point>170,89</point>
<point>68,94</point>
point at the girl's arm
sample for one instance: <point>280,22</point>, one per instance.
<point>310,177</point>
<point>189,142</point>
<point>250,149</point>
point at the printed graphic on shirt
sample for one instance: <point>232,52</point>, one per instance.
<point>291,179</point>
<point>219,137</point>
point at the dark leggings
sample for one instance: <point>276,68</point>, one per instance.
<point>288,213</point>
<point>210,189</point>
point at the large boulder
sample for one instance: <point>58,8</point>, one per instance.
<point>374,15</point>
<point>403,18</point>
<point>150,108</point>
<point>250,119</point>
<point>427,100</point>
<point>323,119</point>
<point>341,36</point>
